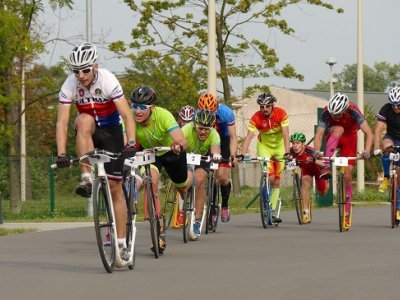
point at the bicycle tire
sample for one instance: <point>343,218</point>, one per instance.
<point>103,224</point>
<point>212,204</point>
<point>131,222</point>
<point>341,201</point>
<point>297,198</point>
<point>169,204</point>
<point>393,200</point>
<point>152,216</point>
<point>188,215</point>
<point>265,208</point>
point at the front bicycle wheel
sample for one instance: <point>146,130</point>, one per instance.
<point>188,207</point>
<point>265,208</point>
<point>212,204</point>
<point>152,216</point>
<point>297,198</point>
<point>169,204</point>
<point>393,200</point>
<point>341,201</point>
<point>103,224</point>
<point>131,204</point>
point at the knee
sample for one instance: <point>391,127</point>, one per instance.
<point>84,123</point>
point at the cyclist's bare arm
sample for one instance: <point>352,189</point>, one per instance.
<point>233,139</point>
<point>286,138</point>
<point>178,137</point>
<point>124,111</point>
<point>370,136</point>
<point>379,127</point>
<point>318,138</point>
<point>246,141</point>
<point>62,128</point>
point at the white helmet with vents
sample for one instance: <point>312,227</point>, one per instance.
<point>83,56</point>
<point>394,95</point>
<point>338,104</point>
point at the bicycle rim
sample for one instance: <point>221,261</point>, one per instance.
<point>393,200</point>
<point>341,201</point>
<point>131,223</point>
<point>265,209</point>
<point>209,203</point>
<point>151,210</point>
<point>297,198</point>
<point>103,219</point>
<point>187,217</point>
<point>216,207</point>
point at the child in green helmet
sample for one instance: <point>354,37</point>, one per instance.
<point>310,167</point>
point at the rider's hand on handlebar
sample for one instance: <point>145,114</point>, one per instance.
<point>216,157</point>
<point>63,161</point>
<point>365,154</point>
<point>288,156</point>
<point>176,148</point>
<point>129,151</point>
<point>318,154</point>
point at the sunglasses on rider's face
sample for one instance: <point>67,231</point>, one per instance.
<point>265,106</point>
<point>396,105</point>
<point>202,128</point>
<point>140,106</point>
<point>84,71</point>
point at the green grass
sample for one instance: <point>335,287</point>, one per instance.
<point>70,208</point>
<point>4,231</point>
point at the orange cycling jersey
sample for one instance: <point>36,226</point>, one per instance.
<point>269,129</point>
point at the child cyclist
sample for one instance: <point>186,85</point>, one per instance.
<point>310,167</point>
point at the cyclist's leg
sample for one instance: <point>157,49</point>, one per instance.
<point>201,179</point>
<point>332,139</point>
<point>223,174</point>
<point>120,209</point>
<point>306,181</point>
<point>386,142</point>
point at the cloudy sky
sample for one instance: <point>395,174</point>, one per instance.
<point>320,34</point>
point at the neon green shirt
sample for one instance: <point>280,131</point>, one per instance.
<point>194,143</point>
<point>156,132</point>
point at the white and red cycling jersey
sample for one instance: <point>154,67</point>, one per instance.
<point>98,100</point>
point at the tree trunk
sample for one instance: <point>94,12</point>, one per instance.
<point>11,117</point>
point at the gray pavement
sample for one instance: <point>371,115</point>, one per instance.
<point>240,261</point>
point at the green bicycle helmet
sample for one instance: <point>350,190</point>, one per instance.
<point>205,117</point>
<point>298,136</point>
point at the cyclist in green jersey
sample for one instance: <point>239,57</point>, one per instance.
<point>156,126</point>
<point>202,139</point>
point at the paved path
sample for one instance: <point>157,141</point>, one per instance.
<point>241,261</point>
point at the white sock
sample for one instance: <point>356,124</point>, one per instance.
<point>122,242</point>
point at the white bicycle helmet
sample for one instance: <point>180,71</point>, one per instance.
<point>186,113</point>
<point>394,95</point>
<point>84,55</point>
<point>338,104</point>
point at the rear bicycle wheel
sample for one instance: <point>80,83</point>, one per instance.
<point>103,224</point>
<point>341,201</point>
<point>393,200</point>
<point>297,198</point>
<point>188,208</point>
<point>265,207</point>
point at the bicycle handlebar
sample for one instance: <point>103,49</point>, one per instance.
<point>93,153</point>
<point>154,149</point>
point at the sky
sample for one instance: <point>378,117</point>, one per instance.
<point>320,34</point>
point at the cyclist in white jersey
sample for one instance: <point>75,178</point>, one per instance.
<point>100,101</point>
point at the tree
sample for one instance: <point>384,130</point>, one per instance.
<point>377,79</point>
<point>20,42</point>
<point>179,27</point>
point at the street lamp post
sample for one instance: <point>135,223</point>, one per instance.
<point>331,61</point>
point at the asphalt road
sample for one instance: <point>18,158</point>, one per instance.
<point>240,261</point>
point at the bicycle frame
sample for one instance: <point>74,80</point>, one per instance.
<point>393,157</point>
